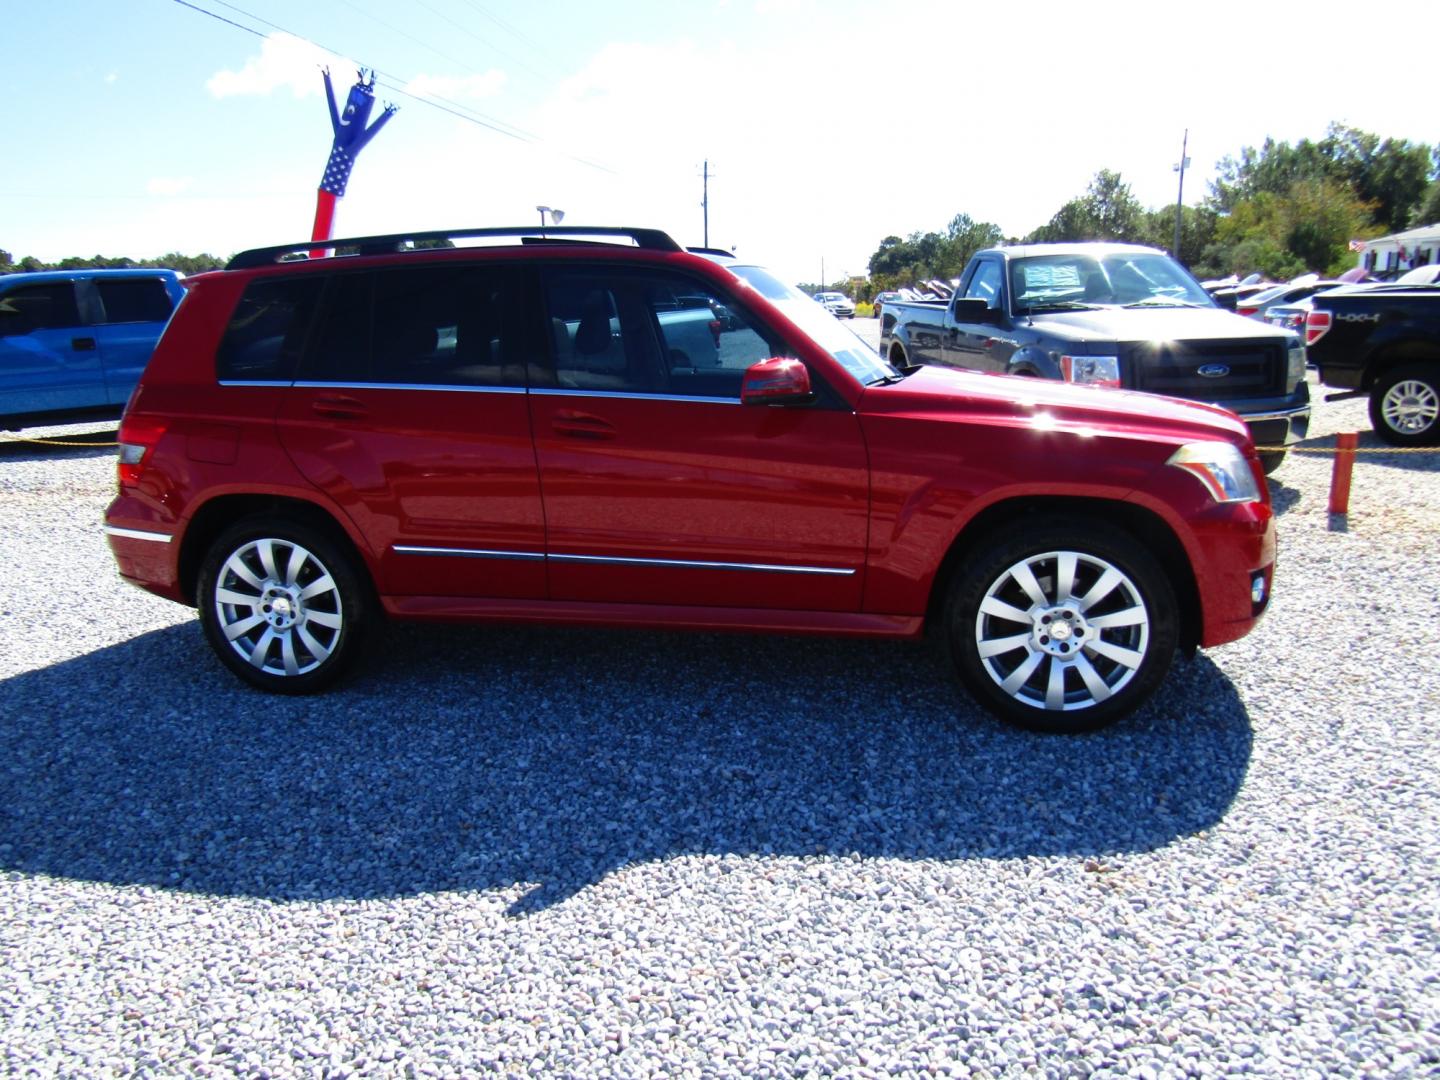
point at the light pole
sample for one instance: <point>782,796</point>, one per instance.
<point>556,216</point>
<point>1180,195</point>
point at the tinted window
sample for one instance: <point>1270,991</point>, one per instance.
<point>267,331</point>
<point>134,300</point>
<point>39,307</point>
<point>431,326</point>
<point>647,332</point>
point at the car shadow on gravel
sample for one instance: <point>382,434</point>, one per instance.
<point>479,759</point>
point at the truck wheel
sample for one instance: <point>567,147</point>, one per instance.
<point>1062,626</point>
<point>282,605</point>
<point>1271,461</point>
<point>1405,405</point>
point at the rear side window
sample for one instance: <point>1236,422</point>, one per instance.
<point>267,331</point>
<point>444,326</point>
<point>130,300</point>
<point>39,307</point>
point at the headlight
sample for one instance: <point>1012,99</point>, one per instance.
<point>1221,467</point>
<point>1091,370</point>
<point>1294,362</point>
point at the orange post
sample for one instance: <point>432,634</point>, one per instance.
<point>1345,443</point>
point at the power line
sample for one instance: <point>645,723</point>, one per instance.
<point>454,108</point>
<point>464,111</point>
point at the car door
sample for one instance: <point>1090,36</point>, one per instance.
<point>49,355</point>
<point>132,314</point>
<point>659,486</point>
<point>980,345</point>
<point>410,413</point>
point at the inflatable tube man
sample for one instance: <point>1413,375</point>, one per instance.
<point>351,135</point>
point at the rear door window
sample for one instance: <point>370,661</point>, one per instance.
<point>131,300</point>
<point>431,327</point>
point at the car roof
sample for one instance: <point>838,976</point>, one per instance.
<point>40,277</point>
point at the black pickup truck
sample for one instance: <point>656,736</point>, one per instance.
<point>1115,315</point>
<point>1384,341</point>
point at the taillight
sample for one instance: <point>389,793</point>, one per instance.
<point>1317,325</point>
<point>138,436</point>
<point>1246,310</point>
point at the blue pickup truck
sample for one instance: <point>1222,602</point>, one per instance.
<point>74,342</point>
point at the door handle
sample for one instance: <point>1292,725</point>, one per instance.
<point>82,344</point>
<point>579,425</point>
<point>338,407</point>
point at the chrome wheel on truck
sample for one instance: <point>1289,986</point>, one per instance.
<point>280,605</point>
<point>1065,633</point>
<point>1405,406</point>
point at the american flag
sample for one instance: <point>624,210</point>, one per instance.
<point>1357,245</point>
<point>337,172</point>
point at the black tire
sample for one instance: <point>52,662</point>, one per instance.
<point>282,604</point>
<point>1111,647</point>
<point>1405,405</point>
<point>1271,461</point>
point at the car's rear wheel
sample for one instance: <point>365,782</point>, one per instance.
<point>282,604</point>
<point>1063,626</point>
<point>1405,405</point>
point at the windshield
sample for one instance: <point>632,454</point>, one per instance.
<point>847,347</point>
<point>1078,281</point>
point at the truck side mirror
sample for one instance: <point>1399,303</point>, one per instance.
<point>972,310</point>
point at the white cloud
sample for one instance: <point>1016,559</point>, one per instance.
<point>168,185</point>
<point>472,87</point>
<point>112,78</point>
<point>284,61</point>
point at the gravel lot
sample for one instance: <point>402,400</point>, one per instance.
<point>625,854</point>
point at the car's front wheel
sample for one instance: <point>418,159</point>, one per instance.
<point>1405,405</point>
<point>282,604</point>
<point>1062,625</point>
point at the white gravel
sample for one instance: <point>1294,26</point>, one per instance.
<point>571,853</point>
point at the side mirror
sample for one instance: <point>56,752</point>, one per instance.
<point>972,310</point>
<point>781,380</point>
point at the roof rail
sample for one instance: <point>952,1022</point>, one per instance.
<point>651,239</point>
<point>711,251</point>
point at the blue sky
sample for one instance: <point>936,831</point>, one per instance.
<point>137,127</point>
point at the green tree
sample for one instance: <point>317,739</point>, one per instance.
<point>1107,211</point>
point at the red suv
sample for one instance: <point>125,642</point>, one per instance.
<point>561,429</point>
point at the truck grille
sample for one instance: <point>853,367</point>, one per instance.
<point>1250,369</point>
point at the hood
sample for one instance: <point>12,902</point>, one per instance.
<point>1129,325</point>
<point>1015,399</point>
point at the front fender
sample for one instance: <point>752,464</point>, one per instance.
<point>1033,361</point>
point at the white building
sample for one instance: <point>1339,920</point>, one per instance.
<point>1390,256</point>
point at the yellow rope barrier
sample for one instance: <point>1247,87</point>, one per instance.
<point>7,437</point>
<point>1355,450</point>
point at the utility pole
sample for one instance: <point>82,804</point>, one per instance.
<point>705,199</point>
<point>1180,195</point>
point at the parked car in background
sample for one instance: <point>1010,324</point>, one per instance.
<point>73,342</point>
<point>838,304</point>
<point>510,434</point>
<point>1257,304</point>
<point>1289,317</point>
<point>881,299</point>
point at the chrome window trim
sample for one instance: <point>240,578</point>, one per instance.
<point>696,564</point>
<point>138,534</point>
<point>464,553</point>
<point>255,382</point>
<point>308,384</point>
<point>628,395</point>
